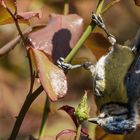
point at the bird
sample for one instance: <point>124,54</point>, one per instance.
<point>116,82</point>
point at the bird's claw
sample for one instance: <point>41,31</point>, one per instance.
<point>99,21</point>
<point>63,65</point>
<point>67,66</point>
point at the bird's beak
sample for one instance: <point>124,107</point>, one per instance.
<point>93,120</point>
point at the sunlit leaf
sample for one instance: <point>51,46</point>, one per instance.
<point>51,77</point>
<point>59,36</point>
<point>71,112</point>
<point>137,2</point>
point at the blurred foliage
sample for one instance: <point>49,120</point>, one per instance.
<point>122,20</point>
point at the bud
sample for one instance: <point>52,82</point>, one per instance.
<point>82,111</point>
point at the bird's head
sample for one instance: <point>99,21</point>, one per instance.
<point>115,122</point>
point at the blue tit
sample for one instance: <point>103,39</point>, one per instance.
<point>117,89</point>
<point>116,82</point>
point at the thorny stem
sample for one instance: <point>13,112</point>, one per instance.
<point>29,100</point>
<point>78,133</point>
<point>66,7</point>
<point>44,118</point>
<point>87,32</point>
<point>14,16</point>
<point>30,96</point>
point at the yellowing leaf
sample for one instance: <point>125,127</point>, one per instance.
<point>5,17</point>
<point>51,77</point>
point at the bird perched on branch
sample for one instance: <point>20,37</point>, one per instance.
<point>116,85</point>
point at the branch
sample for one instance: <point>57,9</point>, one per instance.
<point>85,35</point>
<point>12,44</point>
<point>66,7</point>
<point>29,100</point>
<point>44,118</point>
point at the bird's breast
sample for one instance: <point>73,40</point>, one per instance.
<point>109,76</point>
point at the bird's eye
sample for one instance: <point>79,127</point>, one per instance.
<point>106,115</point>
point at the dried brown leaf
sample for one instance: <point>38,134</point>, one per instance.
<point>71,112</point>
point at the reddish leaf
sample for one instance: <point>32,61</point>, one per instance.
<point>66,133</point>
<point>84,132</point>
<point>59,36</point>
<point>29,15</point>
<point>71,112</point>
<point>51,77</point>
<point>137,2</point>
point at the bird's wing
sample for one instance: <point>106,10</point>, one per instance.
<point>133,76</point>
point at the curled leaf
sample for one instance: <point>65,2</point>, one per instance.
<point>51,77</point>
<point>71,112</point>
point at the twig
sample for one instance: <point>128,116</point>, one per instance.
<point>29,100</point>
<point>44,118</point>
<point>14,16</point>
<point>9,46</point>
<point>31,96</point>
<point>66,7</point>
<point>110,5</point>
<point>85,35</point>
<point>78,133</point>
